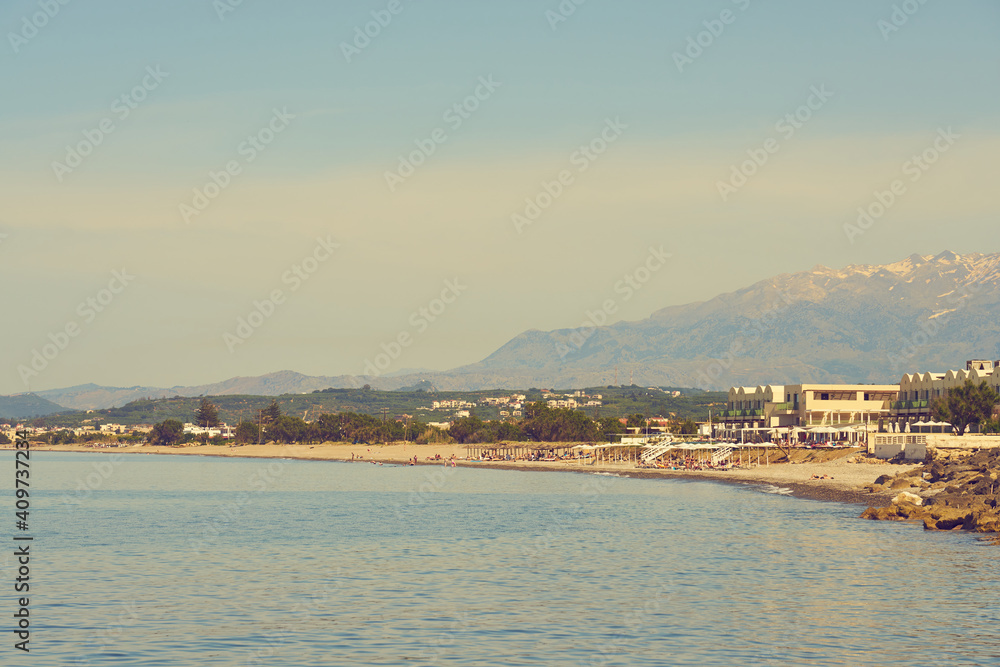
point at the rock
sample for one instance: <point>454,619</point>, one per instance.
<point>901,511</point>
<point>890,513</point>
<point>946,518</point>
<point>962,492</point>
<point>908,497</point>
<point>983,521</point>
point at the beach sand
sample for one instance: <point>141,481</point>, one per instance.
<point>844,480</point>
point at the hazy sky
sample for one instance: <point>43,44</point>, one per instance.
<point>114,113</point>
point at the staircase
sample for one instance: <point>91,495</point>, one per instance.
<point>721,455</point>
<point>657,448</point>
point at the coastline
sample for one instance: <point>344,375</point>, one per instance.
<point>844,482</point>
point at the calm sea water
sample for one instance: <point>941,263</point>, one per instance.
<point>155,560</point>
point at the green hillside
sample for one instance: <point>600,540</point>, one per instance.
<point>27,405</point>
<point>618,402</point>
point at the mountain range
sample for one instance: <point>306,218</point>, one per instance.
<point>861,323</point>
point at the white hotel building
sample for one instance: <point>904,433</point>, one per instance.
<point>886,406</point>
<point>807,405</point>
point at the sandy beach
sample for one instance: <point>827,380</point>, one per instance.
<point>816,474</point>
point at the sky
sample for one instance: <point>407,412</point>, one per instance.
<point>197,190</point>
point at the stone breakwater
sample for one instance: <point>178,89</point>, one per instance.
<point>947,493</point>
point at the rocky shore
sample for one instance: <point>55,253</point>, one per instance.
<point>948,492</point>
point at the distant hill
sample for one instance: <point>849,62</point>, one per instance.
<point>94,397</point>
<point>862,323</point>
<point>27,405</point>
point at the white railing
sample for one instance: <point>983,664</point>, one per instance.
<point>657,447</point>
<point>720,455</point>
<point>653,452</point>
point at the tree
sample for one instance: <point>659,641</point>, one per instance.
<point>325,429</point>
<point>246,433</point>
<point>939,410</point>
<point>4,440</point>
<point>968,405</point>
<point>688,427</point>
<point>610,426</point>
<point>207,414</point>
<point>545,424</point>
<point>287,429</point>
<point>636,420</point>
<point>167,432</point>
<point>271,413</point>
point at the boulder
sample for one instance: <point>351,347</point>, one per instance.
<point>890,513</point>
<point>908,497</point>
<point>985,520</point>
<point>901,483</point>
<point>945,518</point>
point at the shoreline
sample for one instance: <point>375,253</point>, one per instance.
<point>844,483</point>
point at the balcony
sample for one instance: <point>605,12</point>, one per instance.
<point>786,407</point>
<point>910,405</point>
<point>736,414</point>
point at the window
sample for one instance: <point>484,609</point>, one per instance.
<point>824,396</point>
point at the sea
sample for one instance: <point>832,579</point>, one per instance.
<point>150,560</point>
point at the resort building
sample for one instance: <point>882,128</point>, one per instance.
<point>894,408</point>
<point>918,390</point>
<point>835,406</point>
